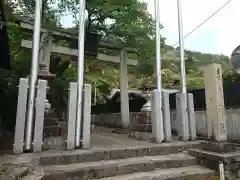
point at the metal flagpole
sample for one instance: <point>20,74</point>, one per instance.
<point>81,34</point>
<point>181,45</point>
<point>158,45</point>
<point>33,76</point>
<point>183,115</point>
<point>156,113</point>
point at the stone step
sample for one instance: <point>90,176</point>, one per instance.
<point>214,156</point>
<point>99,154</point>
<point>184,173</point>
<point>211,160</point>
<point>111,168</point>
<point>12,172</point>
<point>32,177</point>
<point>36,174</point>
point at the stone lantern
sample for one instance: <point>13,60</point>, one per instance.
<point>143,123</point>
<point>46,75</point>
<point>146,87</point>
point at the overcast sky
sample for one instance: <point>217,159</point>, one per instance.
<point>220,35</point>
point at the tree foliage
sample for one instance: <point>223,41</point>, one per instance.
<point>127,22</point>
<point>51,15</point>
<point>231,77</point>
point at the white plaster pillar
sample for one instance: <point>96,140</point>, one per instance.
<point>216,117</point>
<point>123,89</point>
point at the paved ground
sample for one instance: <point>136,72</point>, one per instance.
<point>104,137</point>
<point>101,138</point>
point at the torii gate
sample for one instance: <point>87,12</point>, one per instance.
<point>74,88</point>
<point>49,47</point>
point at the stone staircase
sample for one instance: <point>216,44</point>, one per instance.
<point>171,166</point>
<point>157,162</point>
<point>20,172</point>
<point>53,126</point>
<point>165,161</point>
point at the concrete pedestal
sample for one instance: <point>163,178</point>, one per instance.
<point>182,116</point>
<point>220,147</point>
<point>156,116</point>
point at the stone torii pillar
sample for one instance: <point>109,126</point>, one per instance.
<point>123,89</point>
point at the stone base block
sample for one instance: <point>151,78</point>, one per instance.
<point>211,160</point>
<point>143,122</point>
<point>53,143</point>
<point>221,147</point>
<point>141,136</point>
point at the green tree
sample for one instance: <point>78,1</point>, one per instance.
<point>51,15</point>
<point>125,22</point>
<point>230,77</point>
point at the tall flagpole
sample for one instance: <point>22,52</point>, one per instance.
<point>156,101</point>
<point>183,115</point>
<point>158,46</point>
<point>81,34</point>
<point>181,45</point>
<point>33,76</point>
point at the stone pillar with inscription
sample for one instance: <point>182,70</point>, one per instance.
<point>215,110</point>
<point>216,118</point>
<point>217,153</point>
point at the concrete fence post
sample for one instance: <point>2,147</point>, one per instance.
<point>72,111</point>
<point>191,117</point>
<point>166,117</point>
<point>87,102</point>
<point>182,117</point>
<point>156,116</point>
<point>21,116</point>
<point>39,116</point>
